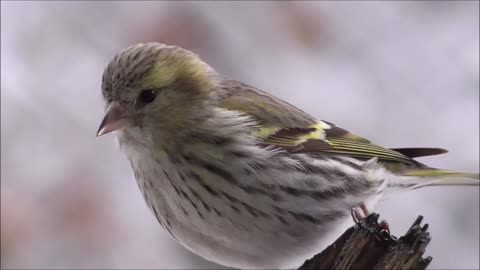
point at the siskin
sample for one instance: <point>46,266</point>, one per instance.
<point>238,176</point>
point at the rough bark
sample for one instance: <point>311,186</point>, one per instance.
<point>368,246</point>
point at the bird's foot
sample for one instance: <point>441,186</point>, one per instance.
<point>357,216</point>
<point>360,214</point>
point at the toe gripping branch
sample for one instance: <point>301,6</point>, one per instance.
<point>368,245</point>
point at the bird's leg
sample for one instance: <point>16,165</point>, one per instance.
<point>364,210</point>
<point>357,216</point>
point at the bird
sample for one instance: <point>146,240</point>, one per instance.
<point>241,177</point>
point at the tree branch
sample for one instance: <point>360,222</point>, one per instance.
<point>367,246</point>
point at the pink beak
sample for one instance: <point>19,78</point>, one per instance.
<point>116,118</point>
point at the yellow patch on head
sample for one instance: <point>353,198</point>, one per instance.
<point>161,75</point>
<point>173,65</point>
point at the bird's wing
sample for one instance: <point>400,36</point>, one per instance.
<point>285,126</point>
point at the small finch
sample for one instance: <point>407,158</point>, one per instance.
<point>241,177</point>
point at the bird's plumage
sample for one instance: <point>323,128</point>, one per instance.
<point>237,175</point>
<point>298,132</point>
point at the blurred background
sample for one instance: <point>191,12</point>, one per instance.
<point>399,73</point>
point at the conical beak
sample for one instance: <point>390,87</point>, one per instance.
<point>116,118</point>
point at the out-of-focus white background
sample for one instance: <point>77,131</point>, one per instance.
<point>400,73</point>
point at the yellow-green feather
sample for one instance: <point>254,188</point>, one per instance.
<point>174,64</point>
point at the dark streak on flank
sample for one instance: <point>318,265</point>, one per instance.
<point>250,209</point>
<point>279,210</point>
<point>195,194</point>
<point>150,184</point>
<point>248,171</point>
<point>213,169</point>
<point>176,190</point>
<point>326,217</point>
<point>156,213</point>
<point>217,212</point>
<point>219,141</point>
<point>348,185</point>
<point>205,205</point>
<point>254,190</point>
<point>222,141</point>
<point>234,208</point>
<point>230,197</point>
<point>188,198</point>
<point>333,215</point>
<point>200,215</point>
<point>304,217</point>
<point>225,175</point>
<point>168,221</point>
<point>239,154</point>
<point>282,220</point>
<point>199,198</point>
<point>183,210</point>
<point>185,195</point>
<point>333,192</point>
<point>254,211</point>
<point>203,184</point>
<point>174,160</point>
<point>209,189</point>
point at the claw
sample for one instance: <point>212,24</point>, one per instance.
<point>385,226</point>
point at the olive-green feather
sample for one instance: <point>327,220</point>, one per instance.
<point>266,109</point>
<point>284,126</point>
<point>287,127</point>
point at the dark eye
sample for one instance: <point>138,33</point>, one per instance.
<point>147,96</point>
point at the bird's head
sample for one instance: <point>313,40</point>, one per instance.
<point>153,85</point>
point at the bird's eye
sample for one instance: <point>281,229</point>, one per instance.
<point>147,96</point>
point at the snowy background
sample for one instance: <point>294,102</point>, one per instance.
<point>399,73</point>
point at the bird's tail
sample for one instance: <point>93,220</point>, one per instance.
<point>421,177</point>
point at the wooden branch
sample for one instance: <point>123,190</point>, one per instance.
<point>367,246</point>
